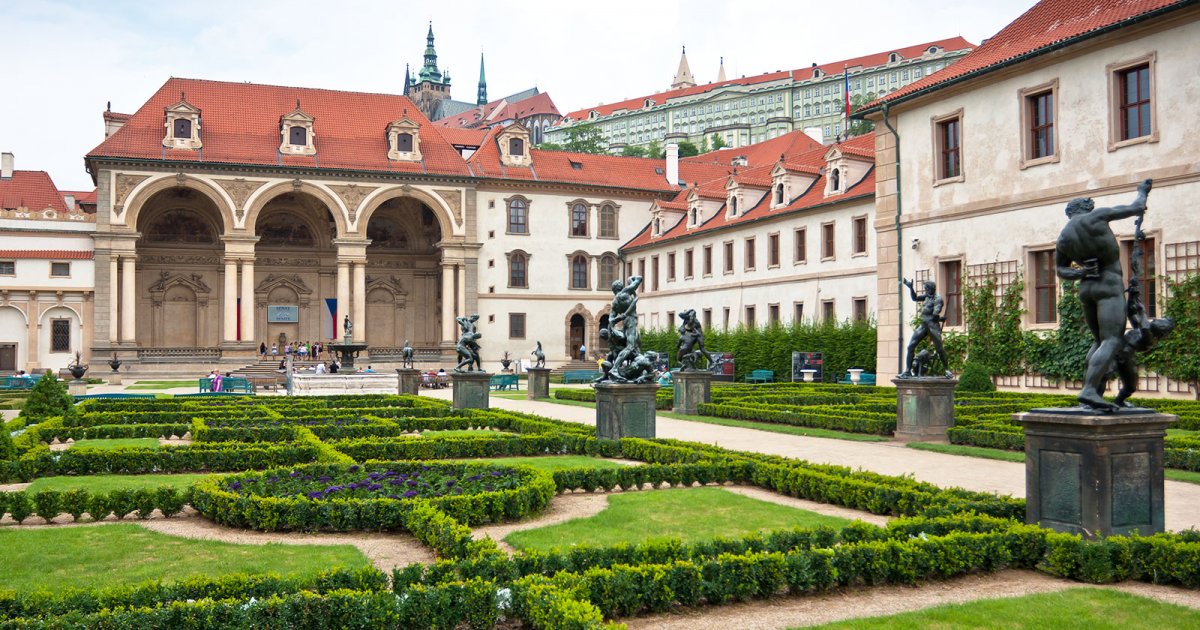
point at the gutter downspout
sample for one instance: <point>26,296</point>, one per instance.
<point>899,249</point>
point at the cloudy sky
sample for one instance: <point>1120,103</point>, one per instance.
<point>64,60</point>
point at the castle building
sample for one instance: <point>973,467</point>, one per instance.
<point>750,110</point>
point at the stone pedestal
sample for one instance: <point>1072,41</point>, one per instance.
<point>924,408</point>
<point>539,383</point>
<point>625,410</point>
<point>337,384</point>
<point>77,387</point>
<point>1096,474</point>
<point>409,381</point>
<point>691,389</point>
<point>470,389</point>
<point>113,378</point>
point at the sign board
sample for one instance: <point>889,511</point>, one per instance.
<point>722,368</point>
<point>281,314</point>
<point>807,361</point>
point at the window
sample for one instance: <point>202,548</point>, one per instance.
<point>518,266</point>
<point>750,254</point>
<point>725,318</point>
<point>950,280</point>
<point>579,272</point>
<point>1045,287</point>
<point>860,235</point>
<point>516,325</point>
<point>706,318</point>
<point>827,249</point>
<point>671,267</point>
<point>733,205</point>
<point>1149,273</point>
<point>798,312</point>
<point>404,142</point>
<point>518,216</point>
<point>608,271</point>
<point>750,323</point>
<point>516,146</point>
<point>801,250</point>
<point>1041,124</point>
<point>772,314</point>
<point>182,129</point>
<point>1134,101</point>
<point>828,313</point>
<point>949,146</point>
<point>779,194</point>
<point>642,267</point>
<point>579,220</point>
<point>687,263</point>
<point>860,309</point>
<point>60,335</point>
<point>836,180</point>
<point>8,268</point>
<point>729,257</point>
<point>773,250</point>
<point>60,270</point>
<point>608,221</point>
<point>654,273</point>
<point>297,136</point>
<point>708,257</point>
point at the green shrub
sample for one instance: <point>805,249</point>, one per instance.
<point>975,378</point>
<point>47,398</point>
<point>47,504</point>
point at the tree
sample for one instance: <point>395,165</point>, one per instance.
<point>584,138</point>
<point>1178,355</point>
<point>48,398</point>
<point>859,127</point>
<point>655,150</point>
<point>704,145</point>
<point>687,149</point>
<point>551,146</point>
<point>633,150</point>
<point>718,142</point>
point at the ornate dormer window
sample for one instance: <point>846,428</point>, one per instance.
<point>835,180</point>
<point>693,217</point>
<point>296,133</point>
<point>404,140</point>
<point>844,167</point>
<point>593,115</point>
<point>513,142</point>
<point>894,57</point>
<point>648,103</point>
<point>182,126</point>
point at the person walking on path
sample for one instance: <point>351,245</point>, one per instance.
<point>583,352</point>
<point>262,350</point>
<point>274,350</point>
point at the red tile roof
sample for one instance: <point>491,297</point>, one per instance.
<point>52,254</point>
<point>836,67</point>
<point>501,110</point>
<point>83,196</point>
<point>31,189</point>
<point>1048,24</point>
<point>463,137</point>
<point>813,197</point>
<point>241,126</point>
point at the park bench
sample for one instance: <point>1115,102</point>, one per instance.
<point>83,397</point>
<point>504,381</point>
<point>16,383</point>
<point>761,376</point>
<point>863,379</point>
<point>266,382</point>
<point>580,376</point>
<point>229,384</point>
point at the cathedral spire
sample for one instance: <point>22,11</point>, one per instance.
<point>407,80</point>
<point>721,72</point>
<point>683,76</point>
<point>482,99</point>
<point>429,72</point>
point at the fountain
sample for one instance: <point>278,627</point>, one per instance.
<point>347,349</point>
<point>346,381</point>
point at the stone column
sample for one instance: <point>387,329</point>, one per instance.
<point>343,296</point>
<point>114,330</point>
<point>229,302</point>
<point>247,300</point>
<point>360,300</point>
<point>461,272</point>
<point>448,306</point>
<point>128,298</point>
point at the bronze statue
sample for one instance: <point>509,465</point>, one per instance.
<point>468,348</point>
<point>1088,251</point>
<point>691,342</point>
<point>930,326</point>
<point>348,327</point>
<point>539,357</point>
<point>406,355</point>
<point>624,362</point>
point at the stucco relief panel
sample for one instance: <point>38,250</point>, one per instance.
<point>239,190</point>
<point>352,196</point>
<point>123,184</point>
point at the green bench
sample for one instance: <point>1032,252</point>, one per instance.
<point>761,376</point>
<point>16,383</point>
<point>504,381</point>
<point>229,384</point>
<point>580,376</point>
<point>83,397</point>
<point>863,379</point>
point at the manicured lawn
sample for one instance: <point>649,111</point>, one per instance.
<point>118,443</point>
<point>108,483</point>
<point>163,384</point>
<point>124,553</point>
<point>551,463</point>
<point>1182,433</point>
<point>690,514</point>
<point>777,428</point>
<point>1173,474</point>
<point>1091,608</point>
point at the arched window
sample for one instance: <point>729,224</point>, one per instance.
<point>297,136</point>
<point>518,276</point>
<point>608,270</point>
<point>516,146</point>
<point>733,205</point>
<point>537,134</point>
<point>182,129</point>
<point>779,194</point>
<point>608,221</point>
<point>518,217</point>
<point>836,179</point>
<point>404,142</point>
<point>579,220</point>
<point>579,272</point>
<point>694,216</point>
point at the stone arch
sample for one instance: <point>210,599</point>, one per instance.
<point>445,215</point>
<point>146,191</point>
<point>255,205</point>
<point>14,337</point>
<point>47,358</point>
<point>179,310</point>
<point>589,331</point>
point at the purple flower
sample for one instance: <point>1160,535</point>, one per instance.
<point>235,486</point>
<point>353,468</point>
<point>325,479</point>
<point>315,495</point>
<point>395,482</point>
<point>449,483</point>
<point>295,473</point>
<point>496,473</point>
<point>474,477</point>
<point>411,483</point>
<point>410,494</point>
<point>373,487</point>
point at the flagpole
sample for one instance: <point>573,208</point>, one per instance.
<point>846,97</point>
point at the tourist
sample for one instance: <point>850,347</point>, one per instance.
<point>274,350</point>
<point>282,365</point>
<point>217,381</point>
<point>262,350</point>
<point>321,368</point>
<point>303,351</point>
<point>370,370</point>
<point>334,367</point>
<point>287,350</point>
<point>583,352</point>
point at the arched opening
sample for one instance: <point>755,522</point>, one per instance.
<point>60,336</point>
<point>295,273</point>
<point>13,336</point>
<point>577,335</point>
<point>836,180</point>
<point>601,344</point>
<point>179,257</point>
<point>403,274</point>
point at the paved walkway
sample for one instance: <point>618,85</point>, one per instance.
<point>972,473</point>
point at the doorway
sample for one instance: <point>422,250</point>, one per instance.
<point>578,332</point>
<point>8,357</point>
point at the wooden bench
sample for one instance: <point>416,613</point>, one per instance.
<point>266,382</point>
<point>863,379</point>
<point>229,384</point>
<point>761,376</point>
<point>504,381</point>
<point>16,383</point>
<point>580,376</point>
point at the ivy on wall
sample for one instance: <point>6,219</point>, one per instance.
<point>1178,356</point>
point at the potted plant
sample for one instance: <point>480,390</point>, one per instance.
<point>114,363</point>
<point>77,367</point>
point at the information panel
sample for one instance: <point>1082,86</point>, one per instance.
<point>282,314</point>
<point>807,361</point>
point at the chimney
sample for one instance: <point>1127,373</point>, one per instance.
<point>70,201</point>
<point>6,165</point>
<point>815,133</point>
<point>672,164</point>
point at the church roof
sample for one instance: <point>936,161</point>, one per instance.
<point>520,105</point>
<point>240,125</point>
<point>1046,26</point>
